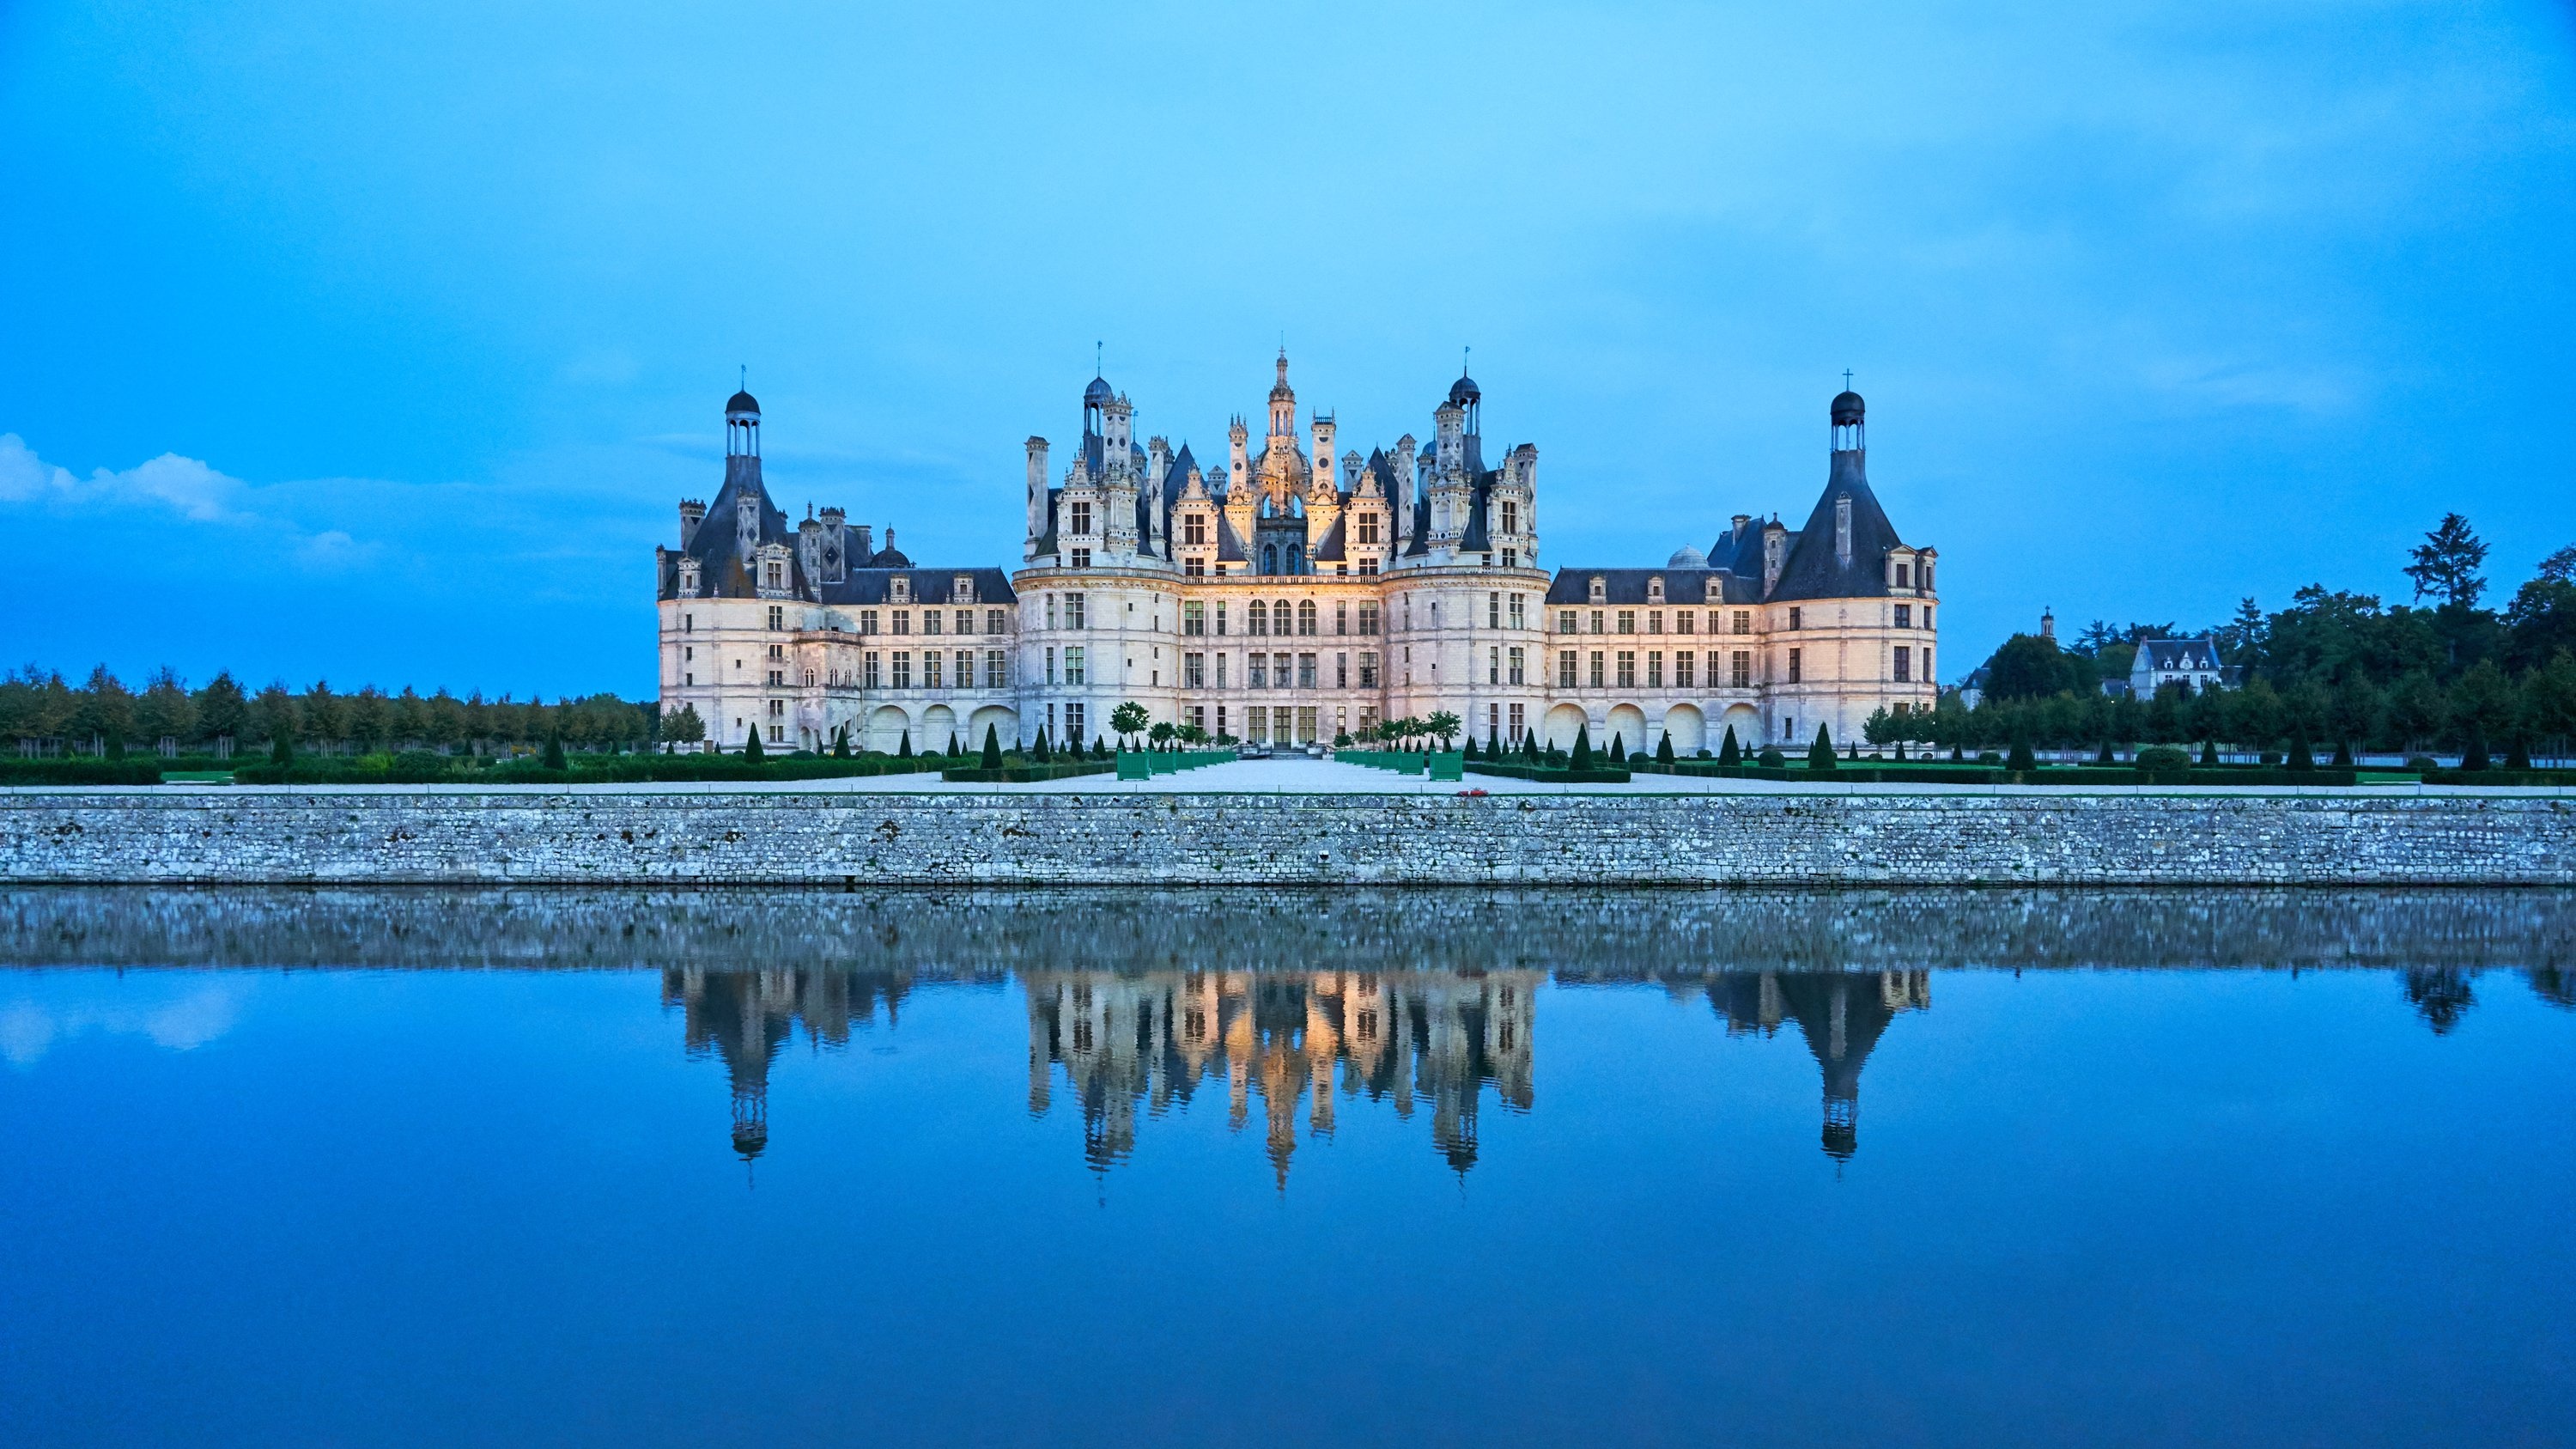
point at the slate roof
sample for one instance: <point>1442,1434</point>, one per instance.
<point>1814,569</point>
<point>1626,587</point>
<point>2177,655</point>
<point>929,586</point>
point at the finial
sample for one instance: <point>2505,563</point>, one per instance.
<point>742,382</point>
<point>1464,354</point>
<point>1096,358</point>
<point>1846,379</point>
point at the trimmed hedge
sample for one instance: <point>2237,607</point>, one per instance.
<point>91,770</point>
<point>427,769</point>
<point>1024,774</point>
<point>1545,774</point>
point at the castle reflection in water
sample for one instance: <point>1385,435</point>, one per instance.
<point>1308,1045</point>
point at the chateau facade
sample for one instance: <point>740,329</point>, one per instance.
<point>1289,595</point>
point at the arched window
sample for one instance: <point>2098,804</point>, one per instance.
<point>1270,558</point>
<point>1279,615</point>
<point>1296,559</point>
<point>1306,616</point>
<point>1257,618</point>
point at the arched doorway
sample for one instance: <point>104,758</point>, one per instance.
<point>938,725</point>
<point>1628,726</point>
<point>886,728</point>
<point>1747,724</point>
<point>1687,728</point>
<point>1004,723</point>
<point>1562,722</point>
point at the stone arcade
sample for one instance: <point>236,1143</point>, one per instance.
<point>1287,596</point>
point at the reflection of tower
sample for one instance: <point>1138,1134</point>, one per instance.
<point>1155,1036</point>
<point>2441,995</point>
<point>746,1016</point>
<point>1840,1013</point>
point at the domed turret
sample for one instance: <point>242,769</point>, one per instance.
<point>742,405</point>
<point>1687,557</point>
<point>1847,408</point>
<point>1847,412</point>
<point>1464,391</point>
<point>1099,392</point>
<point>742,427</point>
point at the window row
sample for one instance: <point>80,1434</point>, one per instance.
<point>938,670</point>
<point>1619,668</point>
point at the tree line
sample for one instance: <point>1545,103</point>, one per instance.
<point>2335,668</point>
<point>48,714</point>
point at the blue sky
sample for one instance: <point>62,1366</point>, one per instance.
<point>378,343</point>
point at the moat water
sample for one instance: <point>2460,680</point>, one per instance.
<point>1062,1168</point>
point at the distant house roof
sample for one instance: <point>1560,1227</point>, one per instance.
<point>2176,656</point>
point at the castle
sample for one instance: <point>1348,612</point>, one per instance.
<point>1289,596</point>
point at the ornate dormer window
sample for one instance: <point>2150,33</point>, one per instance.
<point>962,589</point>
<point>1716,590</point>
<point>1654,591</point>
<point>1600,589</point>
<point>899,589</point>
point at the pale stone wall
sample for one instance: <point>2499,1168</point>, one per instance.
<point>1174,838</point>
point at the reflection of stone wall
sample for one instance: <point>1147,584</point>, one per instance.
<point>1574,934</point>
<point>1156,839</point>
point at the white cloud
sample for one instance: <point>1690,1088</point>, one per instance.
<point>177,1021</point>
<point>185,484</point>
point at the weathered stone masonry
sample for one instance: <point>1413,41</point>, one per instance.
<point>946,839</point>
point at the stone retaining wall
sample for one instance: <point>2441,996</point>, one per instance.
<point>1171,838</point>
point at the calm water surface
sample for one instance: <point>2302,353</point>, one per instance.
<point>1058,1168</point>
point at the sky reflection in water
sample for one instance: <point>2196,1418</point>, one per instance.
<point>1058,1168</point>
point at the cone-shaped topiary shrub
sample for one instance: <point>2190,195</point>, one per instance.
<point>1664,750</point>
<point>2020,759</point>
<point>1618,749</point>
<point>1730,753</point>
<point>903,751</point>
<point>1820,755</point>
<point>751,748</point>
<point>1582,759</point>
<point>992,747</point>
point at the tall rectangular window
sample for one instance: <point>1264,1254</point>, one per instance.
<point>1073,670</point>
<point>1494,609</point>
<point>1565,669</point>
<point>1793,616</point>
<point>1368,618</point>
<point>965,675</point>
<point>1256,723</point>
<point>1519,611</point>
<point>1050,611</point>
<point>1654,621</point>
<point>1905,616</point>
<point>1494,664</point>
<point>1520,723</point>
<point>1793,666</point>
<point>1744,621</point>
<point>1686,669</point>
<point>1193,671</point>
<point>1220,679</point>
<point>1342,617</point>
<point>1565,621</point>
<point>903,669</point>
<point>1194,617</point>
<point>1341,671</point>
<point>930,621</point>
<point>1742,668</point>
<point>997,669</point>
<point>1516,665</point>
<point>1194,567</point>
<point>1596,669</point>
<point>931,673</point>
<point>1256,670</point>
<point>1073,609</point>
<point>1596,621</point>
<point>1279,671</point>
<point>1627,669</point>
<point>903,621</point>
<point>1073,721</point>
<point>1654,669</point>
<point>1904,663</point>
<point>868,668</point>
<point>1627,621</point>
<point>1081,518</point>
<point>1683,619</point>
<point>1194,529</point>
<point>1368,669</point>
